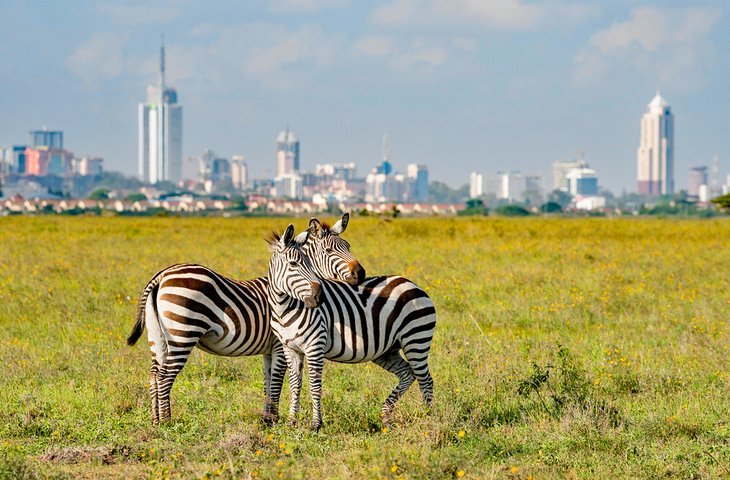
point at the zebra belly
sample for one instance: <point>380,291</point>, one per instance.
<point>215,346</point>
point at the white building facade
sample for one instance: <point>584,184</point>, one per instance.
<point>160,133</point>
<point>655,156</point>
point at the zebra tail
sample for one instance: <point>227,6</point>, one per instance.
<point>141,306</point>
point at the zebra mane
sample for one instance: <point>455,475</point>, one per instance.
<point>326,227</point>
<point>272,238</point>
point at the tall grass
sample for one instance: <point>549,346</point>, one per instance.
<point>564,348</point>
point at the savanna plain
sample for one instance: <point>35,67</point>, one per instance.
<point>564,348</point>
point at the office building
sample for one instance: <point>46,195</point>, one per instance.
<point>655,155</point>
<point>160,132</point>
<point>582,181</point>
<point>46,138</point>
<point>561,169</point>
<point>239,172</point>
<point>697,178</point>
<point>417,183</point>
<point>287,153</point>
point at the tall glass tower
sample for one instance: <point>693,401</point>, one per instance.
<point>287,153</point>
<point>655,156</point>
<point>160,132</point>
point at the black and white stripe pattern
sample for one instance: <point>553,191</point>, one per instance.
<point>188,305</point>
<point>372,322</point>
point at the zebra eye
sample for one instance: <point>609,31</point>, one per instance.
<point>329,250</point>
<point>292,263</point>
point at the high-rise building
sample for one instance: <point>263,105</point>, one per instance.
<point>561,168</point>
<point>42,161</point>
<point>476,185</point>
<point>160,132</point>
<point>655,156</point>
<point>13,158</point>
<point>417,179</point>
<point>46,138</point>
<point>287,153</point>
<point>697,178</point>
<point>239,172</point>
<point>289,186</point>
<point>582,181</point>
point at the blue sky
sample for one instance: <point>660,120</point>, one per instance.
<point>460,85</point>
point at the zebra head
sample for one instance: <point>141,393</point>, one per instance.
<point>330,253</point>
<point>291,273</point>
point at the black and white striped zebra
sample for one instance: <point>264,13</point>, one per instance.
<point>188,305</point>
<point>372,322</point>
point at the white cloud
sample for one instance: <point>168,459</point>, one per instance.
<point>375,46</point>
<point>670,46</point>
<point>100,58</point>
<point>505,14</point>
<point>421,56</point>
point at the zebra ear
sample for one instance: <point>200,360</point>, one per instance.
<point>341,225</point>
<point>315,226</point>
<point>302,238</point>
<point>288,235</point>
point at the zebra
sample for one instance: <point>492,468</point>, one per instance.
<point>188,305</point>
<point>371,322</point>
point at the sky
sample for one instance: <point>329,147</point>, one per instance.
<point>457,85</point>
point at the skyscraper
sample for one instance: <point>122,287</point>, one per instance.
<point>287,153</point>
<point>160,132</point>
<point>655,156</point>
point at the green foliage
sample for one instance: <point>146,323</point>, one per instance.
<point>512,211</point>
<point>560,197</point>
<point>551,207</point>
<point>474,206</point>
<point>439,192</point>
<point>722,201</point>
<point>238,203</point>
<point>136,197</point>
<point>573,348</point>
<point>99,194</point>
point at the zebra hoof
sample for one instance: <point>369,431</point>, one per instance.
<point>269,419</point>
<point>316,427</point>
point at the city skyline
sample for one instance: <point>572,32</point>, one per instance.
<point>475,88</point>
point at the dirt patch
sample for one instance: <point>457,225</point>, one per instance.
<point>104,455</point>
<point>249,441</point>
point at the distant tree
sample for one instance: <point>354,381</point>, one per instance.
<point>439,192</point>
<point>722,201</point>
<point>560,197</point>
<point>551,207</point>
<point>474,206</point>
<point>238,203</point>
<point>512,211</point>
<point>136,197</point>
<point>99,194</point>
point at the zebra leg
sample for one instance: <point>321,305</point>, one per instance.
<point>418,359</point>
<point>174,362</point>
<point>158,349</point>
<point>153,392</point>
<point>266,417</point>
<point>294,361</point>
<point>315,364</point>
<point>395,364</point>
<point>278,370</point>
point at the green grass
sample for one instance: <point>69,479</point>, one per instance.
<point>565,348</point>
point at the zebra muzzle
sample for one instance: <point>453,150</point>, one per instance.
<point>357,273</point>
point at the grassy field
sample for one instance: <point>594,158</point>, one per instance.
<point>565,348</point>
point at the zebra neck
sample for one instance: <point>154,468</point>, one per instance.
<point>281,302</point>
